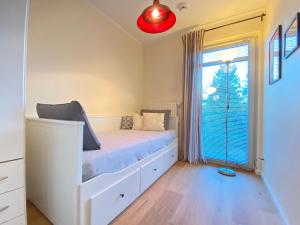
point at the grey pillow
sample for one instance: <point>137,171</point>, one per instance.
<point>74,112</point>
<point>166,112</point>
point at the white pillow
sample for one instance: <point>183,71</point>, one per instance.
<point>137,122</point>
<point>154,121</point>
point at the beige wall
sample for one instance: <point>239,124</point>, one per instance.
<point>74,52</point>
<point>282,120</point>
<point>163,70</point>
<point>163,61</point>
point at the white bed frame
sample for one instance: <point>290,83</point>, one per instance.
<point>54,173</point>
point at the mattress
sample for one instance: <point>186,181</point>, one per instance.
<point>122,148</point>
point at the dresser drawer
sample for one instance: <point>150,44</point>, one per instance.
<point>11,175</point>
<point>11,205</point>
<point>151,172</point>
<point>17,221</point>
<point>106,205</point>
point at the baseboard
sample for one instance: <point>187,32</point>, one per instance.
<point>275,201</point>
<point>258,172</point>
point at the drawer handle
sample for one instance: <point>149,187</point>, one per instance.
<point>122,195</point>
<point>4,208</point>
<point>172,156</point>
<point>155,169</point>
<point>3,178</point>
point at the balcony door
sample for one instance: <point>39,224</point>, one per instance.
<point>228,105</point>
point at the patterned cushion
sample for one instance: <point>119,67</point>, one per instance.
<point>127,123</point>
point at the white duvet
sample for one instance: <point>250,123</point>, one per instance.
<point>122,148</point>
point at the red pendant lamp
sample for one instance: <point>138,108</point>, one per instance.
<point>156,18</point>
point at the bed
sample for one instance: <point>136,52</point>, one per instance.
<point>123,148</point>
<point>72,187</point>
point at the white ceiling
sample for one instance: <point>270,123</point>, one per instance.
<point>126,12</point>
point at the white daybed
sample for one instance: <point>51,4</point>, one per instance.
<point>55,162</point>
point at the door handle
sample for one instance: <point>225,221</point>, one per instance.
<point>3,178</point>
<point>4,208</point>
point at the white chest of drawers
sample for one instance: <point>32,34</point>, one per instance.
<point>11,175</point>
<point>12,205</point>
<point>13,23</point>
<point>12,192</point>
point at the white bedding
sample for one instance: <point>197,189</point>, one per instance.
<point>122,148</point>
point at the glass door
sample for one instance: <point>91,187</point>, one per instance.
<point>225,101</point>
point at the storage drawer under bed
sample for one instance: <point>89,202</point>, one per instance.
<point>156,168</point>
<point>106,205</point>
<point>170,157</point>
<point>151,172</point>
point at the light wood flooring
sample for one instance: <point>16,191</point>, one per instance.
<point>34,216</point>
<point>195,195</point>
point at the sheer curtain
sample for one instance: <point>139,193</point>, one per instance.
<point>191,111</point>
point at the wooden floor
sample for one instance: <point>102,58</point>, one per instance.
<point>34,216</point>
<point>196,195</point>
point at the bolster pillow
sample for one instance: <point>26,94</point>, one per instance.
<point>73,112</point>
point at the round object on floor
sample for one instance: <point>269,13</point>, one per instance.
<point>227,172</point>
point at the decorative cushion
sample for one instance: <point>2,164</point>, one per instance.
<point>137,122</point>
<point>74,112</point>
<point>154,121</point>
<point>166,115</point>
<point>127,122</point>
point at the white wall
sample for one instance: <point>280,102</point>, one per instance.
<point>74,52</point>
<point>282,120</point>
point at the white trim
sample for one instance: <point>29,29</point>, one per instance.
<point>275,201</point>
<point>252,87</point>
<point>219,62</point>
<point>98,123</point>
<point>106,116</point>
<point>50,121</point>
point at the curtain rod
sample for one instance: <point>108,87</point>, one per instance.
<point>240,21</point>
